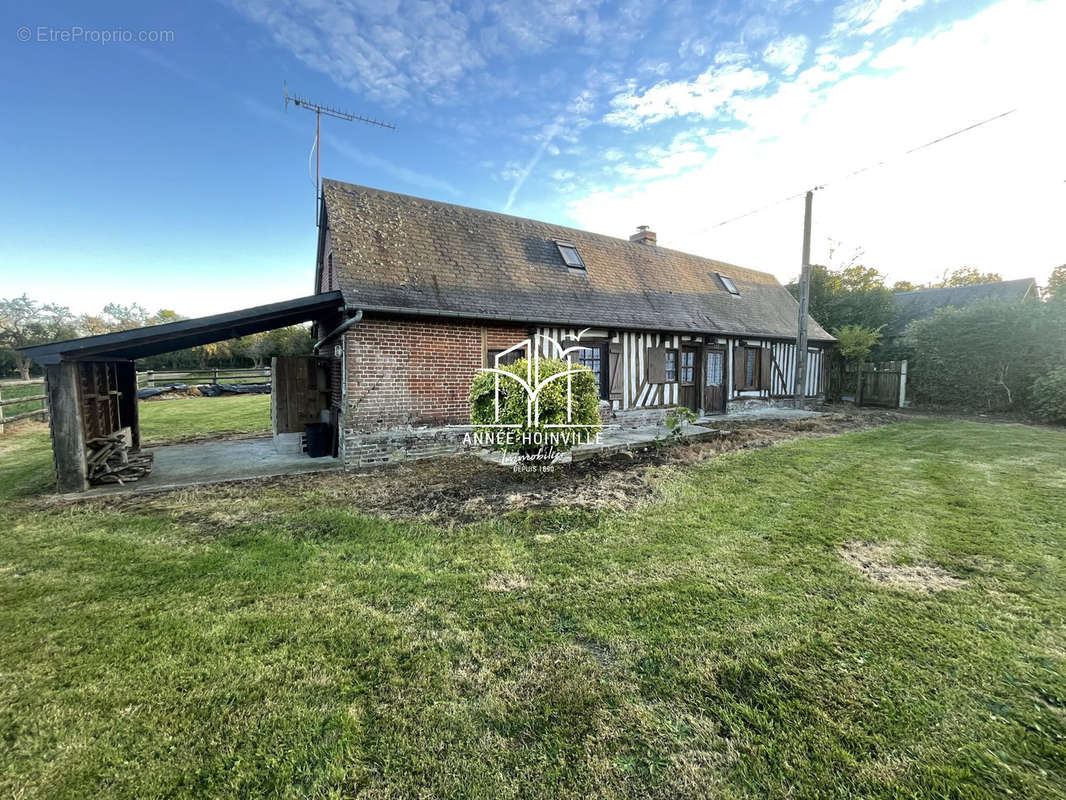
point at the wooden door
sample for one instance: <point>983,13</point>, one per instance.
<point>688,377</point>
<point>713,380</point>
<point>299,392</point>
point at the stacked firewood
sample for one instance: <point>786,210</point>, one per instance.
<point>110,460</point>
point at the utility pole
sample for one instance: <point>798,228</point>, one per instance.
<point>316,148</point>
<point>804,303</point>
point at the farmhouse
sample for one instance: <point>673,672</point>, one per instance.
<point>413,297</point>
<point>445,290</point>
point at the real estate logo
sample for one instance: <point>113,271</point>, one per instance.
<point>551,435</point>
<point>533,384</point>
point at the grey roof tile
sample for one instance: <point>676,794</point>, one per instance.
<point>394,251</point>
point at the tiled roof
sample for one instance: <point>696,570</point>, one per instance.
<point>922,303</point>
<point>396,252</point>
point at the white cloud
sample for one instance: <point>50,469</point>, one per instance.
<point>786,53</point>
<point>870,16</point>
<point>993,198</point>
<point>399,50</point>
<point>705,96</point>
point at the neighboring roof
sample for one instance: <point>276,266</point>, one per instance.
<point>922,303</point>
<point>155,339</point>
<point>402,254</point>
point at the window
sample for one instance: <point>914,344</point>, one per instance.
<point>570,255</point>
<point>728,284</point>
<point>715,368</point>
<point>749,369</point>
<point>592,357</point>
<point>688,366</point>
<point>671,366</point>
<point>510,358</point>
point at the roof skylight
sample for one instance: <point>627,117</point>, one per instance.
<point>570,255</point>
<point>727,282</point>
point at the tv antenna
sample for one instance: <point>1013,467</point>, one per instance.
<point>316,148</point>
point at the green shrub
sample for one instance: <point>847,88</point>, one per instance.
<point>986,355</point>
<point>1049,396</point>
<point>676,420</point>
<point>531,437</point>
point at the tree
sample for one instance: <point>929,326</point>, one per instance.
<point>965,276</point>
<point>1056,283</point>
<point>904,286</point>
<point>855,342</point>
<point>853,295</point>
<point>25,322</point>
<point>117,317</point>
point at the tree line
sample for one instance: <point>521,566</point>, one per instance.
<point>993,355</point>
<point>25,322</point>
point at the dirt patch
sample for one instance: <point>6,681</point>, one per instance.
<point>507,582</point>
<point>879,562</point>
<point>463,489</point>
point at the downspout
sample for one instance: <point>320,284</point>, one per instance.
<point>354,315</point>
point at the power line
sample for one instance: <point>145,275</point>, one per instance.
<point>861,170</point>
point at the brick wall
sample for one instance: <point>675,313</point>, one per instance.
<point>406,372</point>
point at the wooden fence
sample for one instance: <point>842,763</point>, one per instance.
<point>18,395</point>
<point>22,398</point>
<point>882,384</point>
<point>168,377</point>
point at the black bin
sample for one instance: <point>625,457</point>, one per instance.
<point>318,439</point>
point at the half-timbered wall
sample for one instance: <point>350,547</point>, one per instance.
<point>639,393</point>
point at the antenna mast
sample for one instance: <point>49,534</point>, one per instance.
<point>330,111</point>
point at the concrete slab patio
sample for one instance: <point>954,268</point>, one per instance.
<point>178,465</point>
<point>616,440</point>
<point>761,413</point>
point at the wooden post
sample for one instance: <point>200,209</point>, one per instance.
<point>68,437</point>
<point>804,303</point>
<point>903,383</point>
<point>214,375</point>
<point>129,415</point>
<point>1,416</point>
<point>858,386</point>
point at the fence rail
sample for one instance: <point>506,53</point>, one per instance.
<point>148,378</point>
<point>22,399</point>
<point>166,377</point>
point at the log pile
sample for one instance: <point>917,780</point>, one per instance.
<point>110,460</point>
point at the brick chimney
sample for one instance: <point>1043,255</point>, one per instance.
<point>644,235</point>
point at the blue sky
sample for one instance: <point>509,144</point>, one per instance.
<point>168,172</point>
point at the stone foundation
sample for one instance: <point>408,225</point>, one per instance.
<point>743,404</point>
<point>362,450</point>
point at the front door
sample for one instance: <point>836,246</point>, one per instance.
<point>713,380</point>
<point>688,378</point>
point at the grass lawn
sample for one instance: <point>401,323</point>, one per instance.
<point>15,392</point>
<point>196,417</point>
<point>275,642</point>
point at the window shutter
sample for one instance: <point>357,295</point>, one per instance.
<point>656,361</point>
<point>616,371</point>
<point>766,362</point>
<point>738,368</point>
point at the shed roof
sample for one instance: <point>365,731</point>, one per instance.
<point>922,303</point>
<point>404,254</point>
<point>155,339</point>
